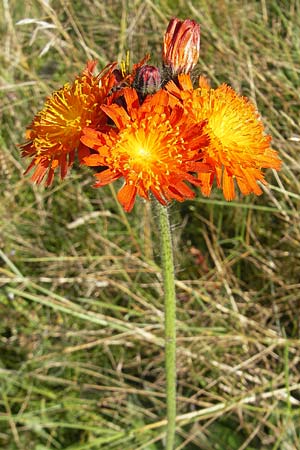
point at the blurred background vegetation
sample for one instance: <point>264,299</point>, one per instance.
<point>81,314</point>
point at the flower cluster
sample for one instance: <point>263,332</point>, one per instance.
<point>153,128</point>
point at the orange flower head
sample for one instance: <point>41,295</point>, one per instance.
<point>54,135</point>
<point>238,147</point>
<point>181,46</point>
<point>153,146</point>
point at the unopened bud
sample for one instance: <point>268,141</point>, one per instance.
<point>148,80</point>
<point>181,47</point>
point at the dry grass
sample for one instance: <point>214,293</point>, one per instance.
<point>81,350</point>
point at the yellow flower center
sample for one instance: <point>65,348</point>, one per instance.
<point>143,153</point>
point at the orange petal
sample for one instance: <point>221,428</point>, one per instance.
<point>228,186</point>
<point>117,114</point>
<point>218,171</point>
<point>63,166</point>
<point>132,101</point>
<point>126,196</point>
<point>90,132</point>
<point>98,144</point>
<point>185,81</point>
<point>158,196</point>
<point>93,160</point>
<point>105,177</point>
<point>40,171</point>
<point>50,177</point>
<point>83,152</point>
<point>206,182</point>
<point>31,165</point>
<point>251,180</point>
<point>161,98</point>
<point>198,167</point>
<point>91,142</point>
<point>203,82</point>
<point>183,190</point>
<point>243,186</point>
<point>90,67</point>
<point>173,88</point>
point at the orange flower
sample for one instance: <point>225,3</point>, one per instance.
<point>181,47</point>
<point>154,146</point>
<point>238,148</point>
<point>55,132</point>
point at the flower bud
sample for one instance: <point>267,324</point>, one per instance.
<point>147,80</point>
<point>181,46</point>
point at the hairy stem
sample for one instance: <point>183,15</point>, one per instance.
<point>170,321</point>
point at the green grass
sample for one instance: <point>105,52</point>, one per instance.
<point>81,315</point>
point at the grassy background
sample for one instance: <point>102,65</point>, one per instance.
<point>81,316</point>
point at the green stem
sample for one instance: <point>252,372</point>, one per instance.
<point>170,321</point>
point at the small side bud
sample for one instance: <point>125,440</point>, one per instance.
<point>147,80</point>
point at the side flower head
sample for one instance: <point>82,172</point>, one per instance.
<point>153,147</point>
<point>54,134</point>
<point>181,46</point>
<point>238,146</point>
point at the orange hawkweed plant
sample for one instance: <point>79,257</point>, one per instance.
<point>163,136</point>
